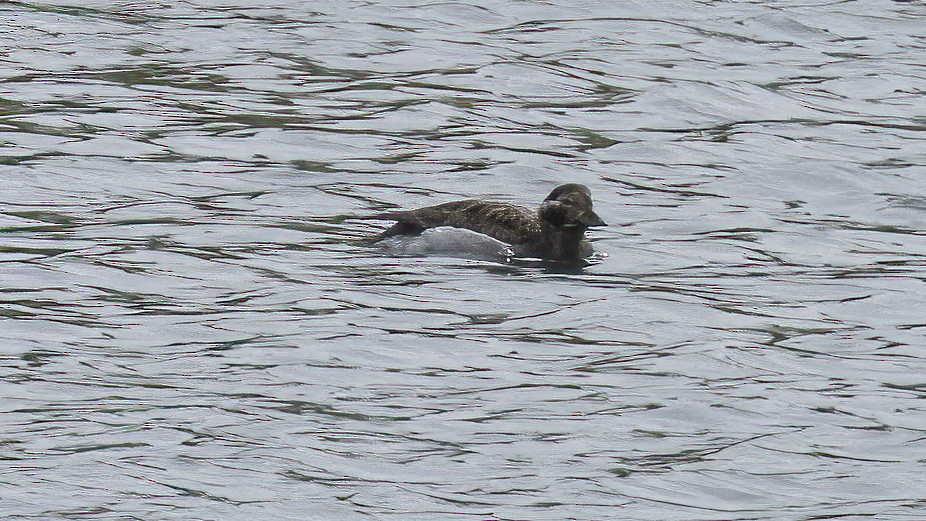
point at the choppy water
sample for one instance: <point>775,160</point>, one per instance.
<point>190,331</point>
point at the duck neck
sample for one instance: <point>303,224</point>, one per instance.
<point>563,244</point>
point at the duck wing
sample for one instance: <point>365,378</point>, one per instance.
<point>508,223</point>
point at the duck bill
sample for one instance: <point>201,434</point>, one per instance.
<point>591,219</point>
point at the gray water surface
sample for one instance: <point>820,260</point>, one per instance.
<point>190,327</point>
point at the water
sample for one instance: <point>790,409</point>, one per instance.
<point>190,329</point>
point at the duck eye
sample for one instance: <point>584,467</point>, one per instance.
<point>553,213</point>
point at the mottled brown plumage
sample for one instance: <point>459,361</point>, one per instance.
<point>555,231</point>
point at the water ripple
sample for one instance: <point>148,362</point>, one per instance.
<point>193,326</point>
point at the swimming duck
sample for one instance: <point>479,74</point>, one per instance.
<point>555,231</point>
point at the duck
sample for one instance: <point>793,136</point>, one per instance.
<point>555,231</point>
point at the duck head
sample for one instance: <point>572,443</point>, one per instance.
<point>564,216</point>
